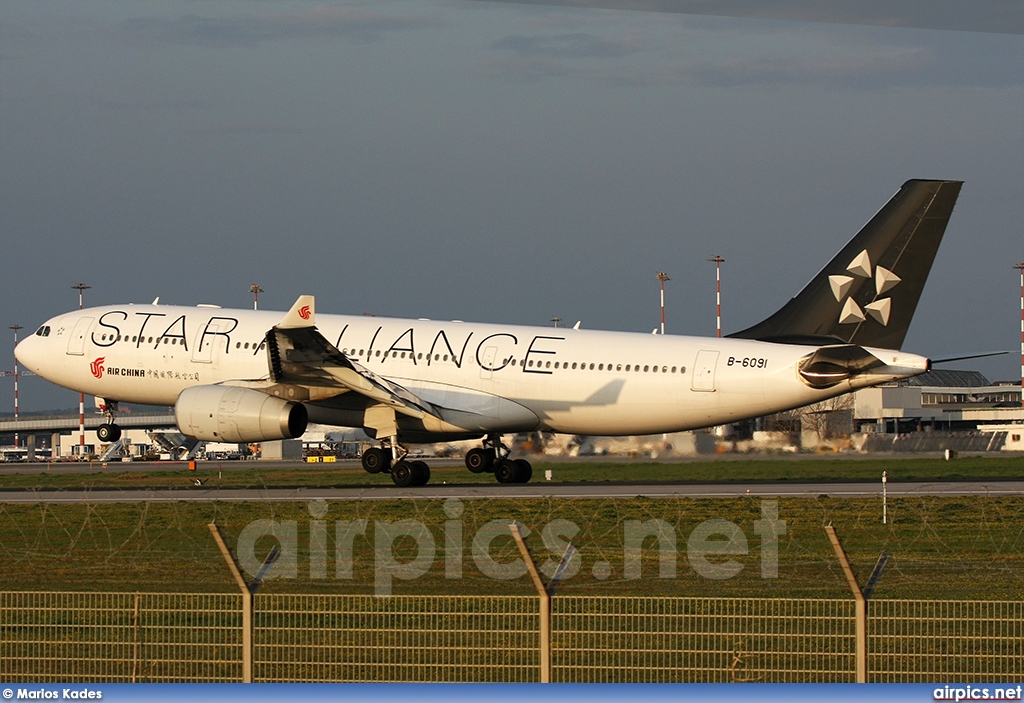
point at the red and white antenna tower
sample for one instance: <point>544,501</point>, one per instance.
<point>15,328</point>
<point>662,277</point>
<point>1020,267</point>
<point>80,287</point>
<point>255,290</point>
<point>718,290</point>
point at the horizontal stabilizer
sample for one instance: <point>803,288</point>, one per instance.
<point>981,355</point>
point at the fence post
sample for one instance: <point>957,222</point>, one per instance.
<point>545,606</point>
<point>246,603</point>
<point>861,606</point>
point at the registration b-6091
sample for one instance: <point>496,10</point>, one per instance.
<point>748,362</point>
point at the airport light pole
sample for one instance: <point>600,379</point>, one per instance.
<point>80,287</point>
<point>16,328</point>
<point>255,290</point>
<point>556,319</point>
<point>1020,267</point>
<point>662,277</point>
<point>718,290</point>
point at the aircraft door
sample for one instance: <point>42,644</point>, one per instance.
<point>206,338</point>
<point>487,365</point>
<point>704,370</point>
<point>76,344</point>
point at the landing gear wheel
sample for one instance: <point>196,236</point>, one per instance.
<point>507,471</point>
<point>403,474</point>
<point>374,460</point>
<point>108,432</point>
<point>420,473</point>
<point>479,460</point>
<point>525,471</point>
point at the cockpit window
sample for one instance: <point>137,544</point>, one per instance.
<point>43,331</point>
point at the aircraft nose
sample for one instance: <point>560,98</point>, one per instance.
<point>27,352</point>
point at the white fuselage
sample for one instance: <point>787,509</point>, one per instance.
<point>484,377</point>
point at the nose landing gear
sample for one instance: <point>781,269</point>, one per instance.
<point>109,432</point>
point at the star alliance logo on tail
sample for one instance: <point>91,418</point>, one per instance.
<point>880,309</point>
<point>97,367</point>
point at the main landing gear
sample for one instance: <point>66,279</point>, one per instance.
<point>109,432</point>
<point>390,458</point>
<point>493,457</point>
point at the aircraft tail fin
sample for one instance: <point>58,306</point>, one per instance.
<point>868,293</point>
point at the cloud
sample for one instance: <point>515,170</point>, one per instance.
<point>326,22</point>
<point>995,16</point>
<point>898,65</point>
<point>256,129</point>
<point>577,45</point>
<point>728,53</point>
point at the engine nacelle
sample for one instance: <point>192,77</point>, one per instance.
<point>232,414</point>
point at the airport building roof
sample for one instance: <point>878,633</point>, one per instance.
<point>948,378</point>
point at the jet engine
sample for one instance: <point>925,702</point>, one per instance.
<point>232,414</point>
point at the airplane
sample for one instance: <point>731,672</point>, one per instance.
<point>254,376</point>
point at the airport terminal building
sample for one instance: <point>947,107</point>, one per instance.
<point>947,400</point>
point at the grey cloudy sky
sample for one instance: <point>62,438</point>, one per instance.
<point>499,161</point>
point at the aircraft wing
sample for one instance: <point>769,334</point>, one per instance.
<point>302,357</point>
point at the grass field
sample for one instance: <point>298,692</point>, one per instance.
<point>955,548</point>
<point>253,475</point>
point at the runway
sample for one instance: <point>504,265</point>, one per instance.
<point>604,491</point>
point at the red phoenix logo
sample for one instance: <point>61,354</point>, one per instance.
<point>304,312</point>
<point>97,367</point>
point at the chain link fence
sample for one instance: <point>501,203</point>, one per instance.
<point>120,637</point>
<point>165,637</point>
<point>407,638</point>
<point>919,641</point>
<point>609,639</point>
